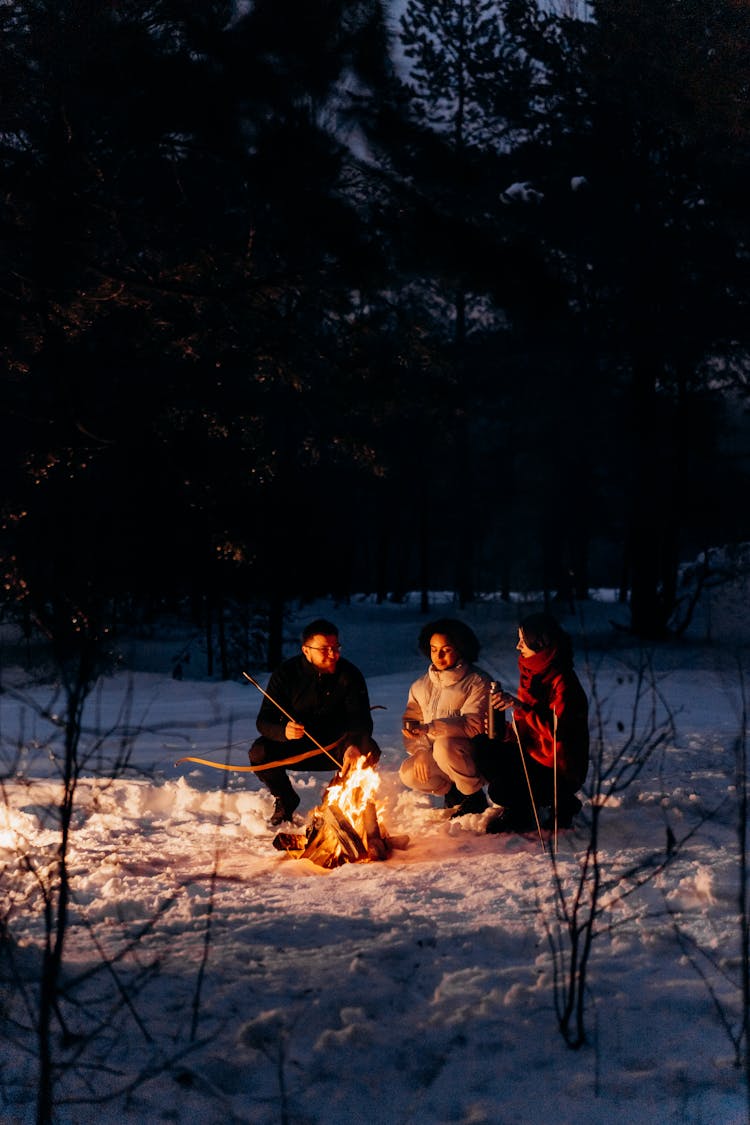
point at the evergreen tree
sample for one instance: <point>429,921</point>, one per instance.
<point>646,103</point>
<point>472,85</point>
<point>178,277</point>
<point>465,77</point>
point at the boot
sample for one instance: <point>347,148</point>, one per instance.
<point>511,820</point>
<point>277,781</point>
<point>452,798</point>
<point>566,810</point>
<point>284,807</point>
<point>473,803</point>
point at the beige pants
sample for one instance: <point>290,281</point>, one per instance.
<point>449,761</point>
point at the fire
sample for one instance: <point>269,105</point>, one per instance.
<point>344,828</point>
<point>353,792</point>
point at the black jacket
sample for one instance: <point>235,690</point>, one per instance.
<point>327,704</point>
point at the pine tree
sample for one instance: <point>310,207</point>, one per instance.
<point>179,258</point>
<point>465,74</point>
<point>470,87</point>
<point>645,103</point>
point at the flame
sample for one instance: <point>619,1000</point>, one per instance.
<point>353,792</point>
<point>345,828</point>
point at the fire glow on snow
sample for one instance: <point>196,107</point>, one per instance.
<point>209,977</point>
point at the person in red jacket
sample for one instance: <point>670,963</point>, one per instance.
<point>550,717</point>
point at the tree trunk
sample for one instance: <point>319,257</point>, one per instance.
<point>652,517</point>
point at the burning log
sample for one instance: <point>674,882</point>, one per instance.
<point>345,827</point>
<point>373,837</point>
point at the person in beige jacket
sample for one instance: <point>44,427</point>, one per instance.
<point>446,709</point>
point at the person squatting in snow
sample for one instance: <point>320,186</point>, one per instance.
<point>447,708</point>
<point>550,715</point>
<point>327,698</point>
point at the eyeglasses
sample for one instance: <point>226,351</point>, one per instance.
<point>329,650</point>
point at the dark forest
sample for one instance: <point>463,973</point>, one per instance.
<point>281,318</point>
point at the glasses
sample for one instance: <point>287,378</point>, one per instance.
<point>329,650</point>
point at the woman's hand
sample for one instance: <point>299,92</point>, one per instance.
<point>422,769</point>
<point>502,700</point>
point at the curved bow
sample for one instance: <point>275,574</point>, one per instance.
<point>261,766</point>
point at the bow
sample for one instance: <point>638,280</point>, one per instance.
<point>262,766</point>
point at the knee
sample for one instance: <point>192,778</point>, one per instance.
<point>440,747</point>
<point>257,752</point>
<point>406,773</point>
<point>448,752</point>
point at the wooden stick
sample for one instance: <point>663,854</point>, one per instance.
<point>289,717</point>
<point>554,776</point>
<point>528,783</point>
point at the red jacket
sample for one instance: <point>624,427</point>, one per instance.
<point>548,686</point>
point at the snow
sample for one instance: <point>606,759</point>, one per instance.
<point>208,977</point>
<point>521,193</point>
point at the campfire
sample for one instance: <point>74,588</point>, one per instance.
<point>344,828</point>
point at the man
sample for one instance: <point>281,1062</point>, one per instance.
<point>446,710</point>
<point>326,697</point>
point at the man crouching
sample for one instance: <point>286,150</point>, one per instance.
<point>327,697</point>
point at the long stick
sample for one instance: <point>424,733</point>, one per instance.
<point>528,782</point>
<point>554,776</point>
<point>289,717</point>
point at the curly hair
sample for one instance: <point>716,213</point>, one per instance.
<point>463,639</point>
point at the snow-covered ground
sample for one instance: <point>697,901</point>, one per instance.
<point>210,978</point>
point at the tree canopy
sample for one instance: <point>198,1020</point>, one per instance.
<point>255,281</point>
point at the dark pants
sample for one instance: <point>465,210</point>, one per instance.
<point>501,763</point>
<point>276,778</point>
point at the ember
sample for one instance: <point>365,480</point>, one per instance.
<point>344,828</point>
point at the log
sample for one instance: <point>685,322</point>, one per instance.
<point>289,842</point>
<point>350,841</point>
<point>332,839</point>
<point>321,847</point>
<point>376,848</point>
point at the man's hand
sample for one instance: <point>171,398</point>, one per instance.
<point>351,755</point>
<point>294,730</point>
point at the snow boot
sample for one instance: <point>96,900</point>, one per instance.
<point>566,810</point>
<point>284,807</point>
<point>452,798</point>
<point>472,803</point>
<point>511,820</point>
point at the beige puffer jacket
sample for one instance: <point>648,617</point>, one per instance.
<point>453,702</point>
